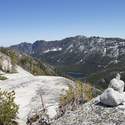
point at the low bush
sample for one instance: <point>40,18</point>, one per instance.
<point>8,108</point>
<point>3,77</point>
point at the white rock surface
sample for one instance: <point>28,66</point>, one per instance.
<point>114,95</point>
<point>117,84</point>
<point>28,88</point>
<point>111,97</point>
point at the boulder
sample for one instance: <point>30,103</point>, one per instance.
<point>111,97</point>
<point>117,84</point>
<point>114,95</point>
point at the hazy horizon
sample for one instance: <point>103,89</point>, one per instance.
<point>31,20</point>
<point>18,42</point>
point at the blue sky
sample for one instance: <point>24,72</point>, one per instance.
<point>30,20</point>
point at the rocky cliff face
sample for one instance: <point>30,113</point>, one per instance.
<point>93,113</point>
<point>5,63</point>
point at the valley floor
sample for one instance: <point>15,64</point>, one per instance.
<point>28,89</point>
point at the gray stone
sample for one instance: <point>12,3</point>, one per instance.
<point>114,95</point>
<point>111,97</point>
<point>117,84</point>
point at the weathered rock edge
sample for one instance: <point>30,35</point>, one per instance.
<point>93,113</point>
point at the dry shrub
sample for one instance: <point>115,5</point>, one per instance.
<point>67,97</point>
<point>77,94</point>
<point>88,91</point>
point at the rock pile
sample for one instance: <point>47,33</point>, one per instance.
<point>114,95</point>
<point>102,110</point>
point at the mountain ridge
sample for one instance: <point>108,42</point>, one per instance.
<point>42,47</point>
<point>81,54</point>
